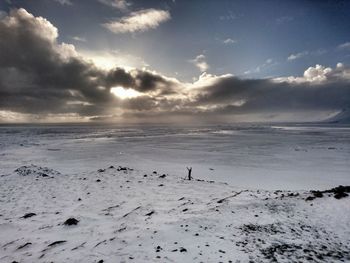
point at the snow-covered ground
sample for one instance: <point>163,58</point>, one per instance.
<point>289,157</point>
<point>233,210</point>
<point>129,216</point>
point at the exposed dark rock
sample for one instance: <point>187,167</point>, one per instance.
<point>121,168</point>
<point>309,198</point>
<point>80,246</point>
<point>317,194</point>
<point>182,249</point>
<point>56,243</point>
<point>125,215</point>
<point>162,176</point>
<point>339,192</point>
<point>71,221</point>
<point>28,215</point>
<point>25,245</point>
<point>340,195</point>
<point>98,180</point>
<point>101,170</point>
<point>158,249</point>
<point>150,213</point>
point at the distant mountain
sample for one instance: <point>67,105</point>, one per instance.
<point>342,117</point>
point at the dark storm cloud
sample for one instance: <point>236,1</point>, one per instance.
<point>50,74</point>
<point>121,77</point>
<point>242,95</point>
<point>142,81</point>
<point>38,75</point>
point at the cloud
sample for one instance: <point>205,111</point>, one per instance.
<point>42,79</point>
<point>267,64</point>
<point>232,95</point>
<point>64,2</point>
<point>316,74</point>
<point>108,59</point>
<point>200,62</point>
<point>320,75</point>
<point>38,75</point>
<point>121,5</point>
<point>297,55</point>
<point>284,19</point>
<point>344,46</point>
<point>2,14</point>
<point>80,39</point>
<point>139,21</point>
<point>229,41</point>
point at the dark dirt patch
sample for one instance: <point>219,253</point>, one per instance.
<point>267,229</point>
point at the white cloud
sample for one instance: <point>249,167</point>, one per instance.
<point>64,2</point>
<point>229,41</point>
<point>345,45</point>
<point>297,55</point>
<point>139,21</point>
<point>121,5</point>
<point>66,51</point>
<point>80,39</point>
<point>110,59</point>
<point>318,74</point>
<point>268,64</point>
<point>206,79</point>
<point>200,62</point>
<point>41,27</point>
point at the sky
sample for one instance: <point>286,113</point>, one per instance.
<point>173,60</point>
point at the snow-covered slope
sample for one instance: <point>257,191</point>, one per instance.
<point>125,215</point>
<point>343,117</point>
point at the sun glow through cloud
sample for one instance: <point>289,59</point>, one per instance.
<point>124,93</point>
